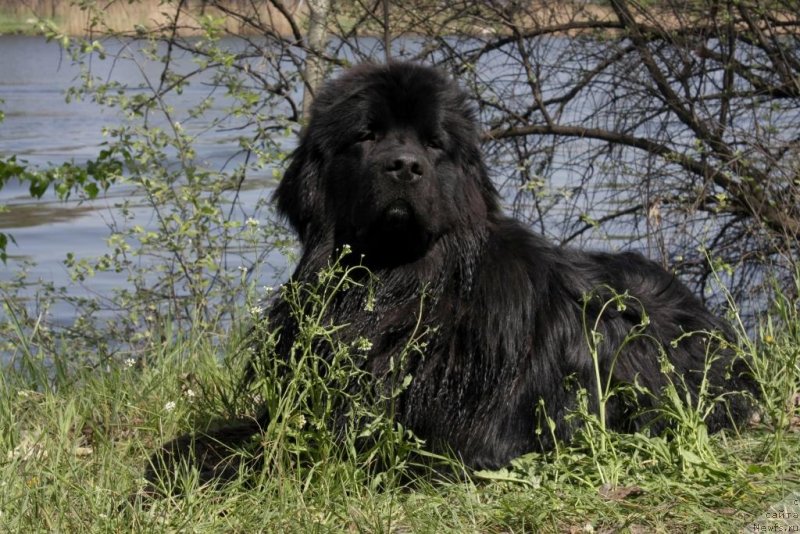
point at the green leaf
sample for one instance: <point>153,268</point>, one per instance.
<point>691,457</point>
<point>91,190</point>
<point>4,240</point>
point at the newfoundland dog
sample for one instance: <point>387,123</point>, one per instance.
<point>390,166</point>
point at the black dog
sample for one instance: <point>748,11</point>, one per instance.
<point>390,165</point>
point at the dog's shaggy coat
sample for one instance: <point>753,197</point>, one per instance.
<point>390,165</point>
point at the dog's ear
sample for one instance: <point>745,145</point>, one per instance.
<point>460,123</point>
<point>478,190</point>
<point>474,167</point>
<point>299,196</point>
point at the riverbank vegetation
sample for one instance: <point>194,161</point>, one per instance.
<point>668,127</point>
<point>76,439</point>
<point>78,18</point>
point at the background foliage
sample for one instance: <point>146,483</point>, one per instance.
<point>670,127</point>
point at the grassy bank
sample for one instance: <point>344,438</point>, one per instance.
<point>11,23</point>
<point>74,442</point>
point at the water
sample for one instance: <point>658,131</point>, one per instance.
<point>42,129</point>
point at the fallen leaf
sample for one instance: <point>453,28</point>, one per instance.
<point>83,451</point>
<point>619,493</point>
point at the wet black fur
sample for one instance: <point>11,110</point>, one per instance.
<point>390,165</point>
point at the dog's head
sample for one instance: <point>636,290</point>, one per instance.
<point>390,162</point>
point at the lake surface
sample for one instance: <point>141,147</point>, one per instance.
<point>42,129</point>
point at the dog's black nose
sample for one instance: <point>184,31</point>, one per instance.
<point>404,167</point>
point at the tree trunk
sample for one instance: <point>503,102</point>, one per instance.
<point>316,39</point>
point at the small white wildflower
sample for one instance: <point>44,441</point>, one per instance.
<point>242,268</point>
<point>300,421</point>
<point>169,406</point>
<point>268,289</point>
<point>256,311</point>
<point>251,222</point>
<point>190,394</point>
<point>130,362</point>
<point>178,126</point>
<point>363,343</point>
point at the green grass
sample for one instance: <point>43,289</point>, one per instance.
<point>74,441</point>
<point>10,23</point>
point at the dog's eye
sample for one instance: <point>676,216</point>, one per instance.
<point>434,142</point>
<point>366,135</point>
